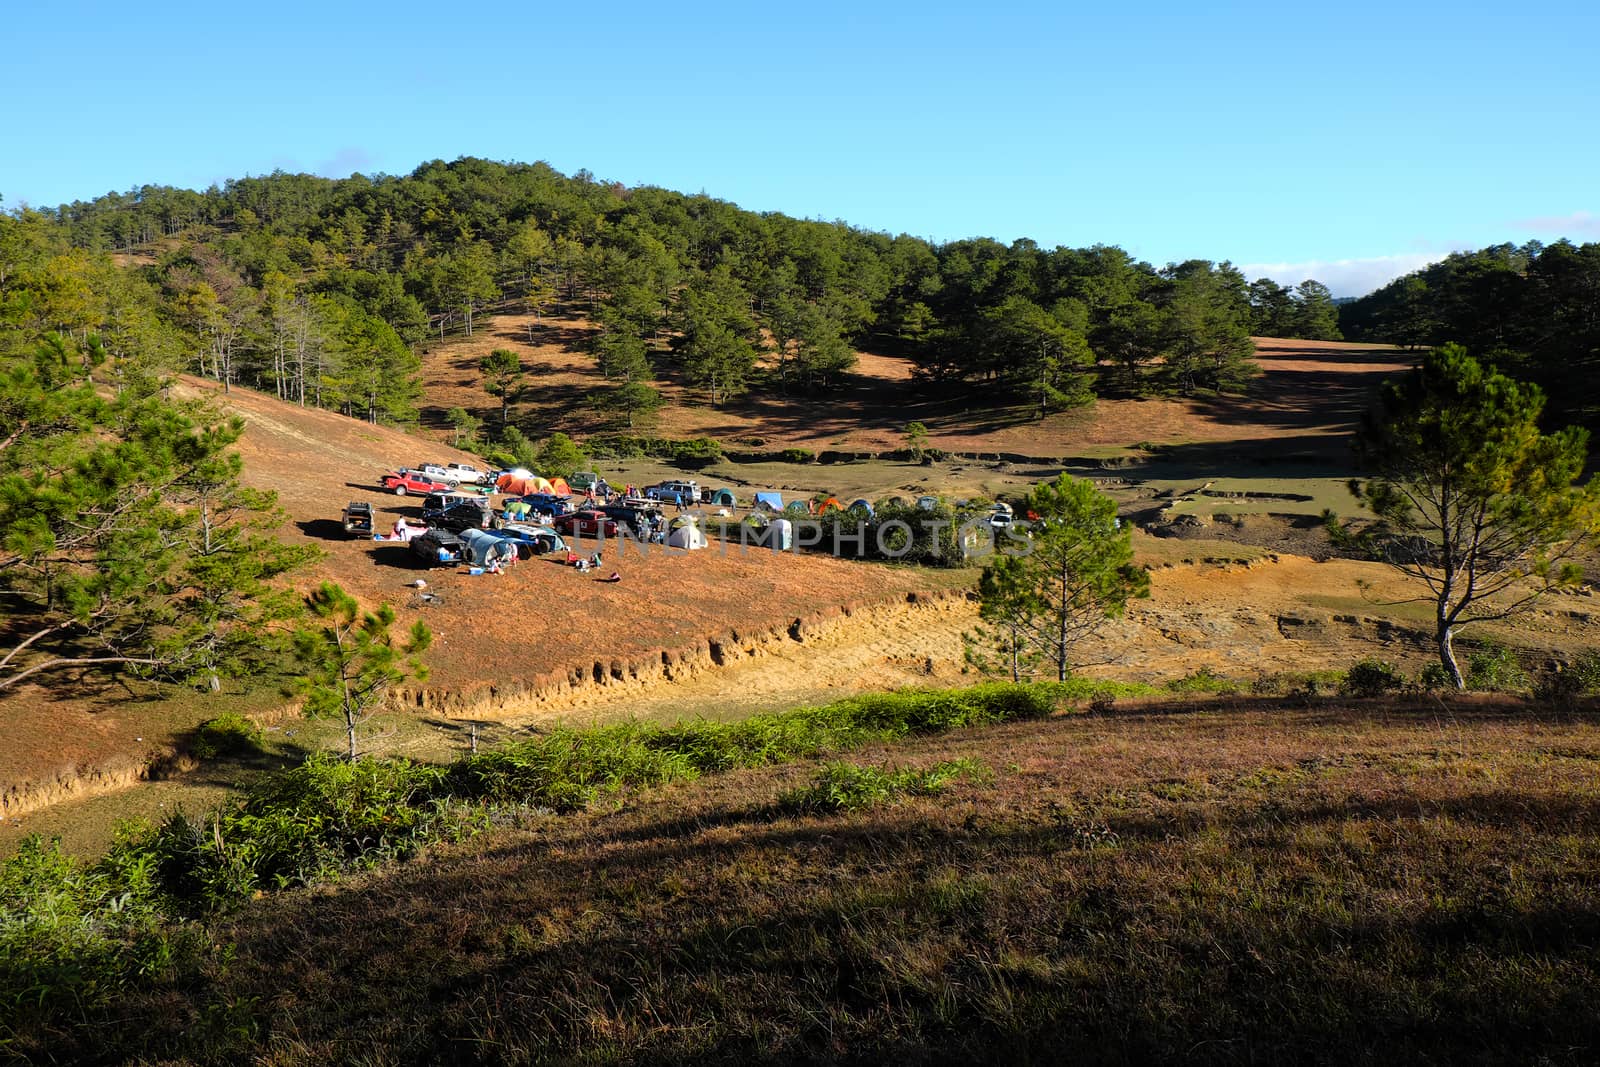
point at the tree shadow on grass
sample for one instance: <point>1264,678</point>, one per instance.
<point>820,940</point>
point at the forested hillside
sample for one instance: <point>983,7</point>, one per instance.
<point>1532,310</point>
<point>321,290</point>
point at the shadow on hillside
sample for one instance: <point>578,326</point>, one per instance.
<point>1330,399</point>
<point>818,923</point>
<point>325,530</point>
<point>397,554</point>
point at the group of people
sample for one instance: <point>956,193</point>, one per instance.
<point>585,564</point>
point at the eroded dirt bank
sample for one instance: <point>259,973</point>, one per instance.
<point>1279,613</point>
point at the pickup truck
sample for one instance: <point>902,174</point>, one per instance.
<point>438,473</point>
<point>402,482</point>
<point>466,473</point>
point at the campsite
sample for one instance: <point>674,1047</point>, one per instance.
<point>541,641</point>
<point>1045,571</point>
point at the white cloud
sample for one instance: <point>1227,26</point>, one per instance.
<point>1344,277</point>
<point>345,162</point>
<point>1579,222</point>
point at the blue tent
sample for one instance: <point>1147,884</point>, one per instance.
<point>481,546</point>
<point>862,505</point>
<point>772,501</point>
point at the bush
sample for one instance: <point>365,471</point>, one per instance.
<point>73,939</point>
<point>1494,668</point>
<point>1203,681</point>
<point>306,824</point>
<point>231,736</point>
<point>797,455</point>
<point>1564,686</point>
<point>1371,678</point>
<point>842,787</point>
<point>1433,678</point>
<point>500,460</point>
<point>568,770</point>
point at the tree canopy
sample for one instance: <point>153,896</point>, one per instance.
<point>1472,501</point>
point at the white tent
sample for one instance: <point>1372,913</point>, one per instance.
<point>686,537</point>
<point>780,535</point>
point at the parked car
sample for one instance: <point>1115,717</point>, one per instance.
<point>438,472</point>
<point>402,482</point>
<point>1000,517</point>
<point>547,503</point>
<point>465,473</point>
<point>437,546</point>
<point>587,521</point>
<point>684,494</point>
<point>358,519</point>
<point>532,540</point>
<point>438,503</point>
<point>465,516</point>
<point>632,519</point>
<point>583,481</point>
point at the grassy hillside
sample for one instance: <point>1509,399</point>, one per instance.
<point>1279,882</point>
<point>1310,391</point>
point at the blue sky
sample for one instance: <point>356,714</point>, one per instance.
<point>1349,142</point>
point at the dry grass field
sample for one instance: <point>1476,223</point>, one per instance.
<point>1213,883</point>
<point>1309,391</point>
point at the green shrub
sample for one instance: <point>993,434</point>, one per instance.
<point>1433,678</point>
<point>1371,678</point>
<point>1564,686</point>
<point>74,938</point>
<point>568,770</point>
<point>1204,681</point>
<point>842,787</point>
<point>1297,683</point>
<point>306,824</point>
<point>501,460</point>
<point>1494,668</point>
<point>232,736</point>
<point>797,455</point>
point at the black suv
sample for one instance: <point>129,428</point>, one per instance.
<point>469,515</point>
<point>631,519</point>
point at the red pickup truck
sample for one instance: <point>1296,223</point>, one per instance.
<point>406,482</point>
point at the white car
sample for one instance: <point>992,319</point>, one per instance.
<point>437,473</point>
<point>465,472</point>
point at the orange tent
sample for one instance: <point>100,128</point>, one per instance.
<point>832,503</point>
<point>516,485</point>
<point>559,487</point>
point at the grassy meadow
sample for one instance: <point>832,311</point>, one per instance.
<point>930,879</point>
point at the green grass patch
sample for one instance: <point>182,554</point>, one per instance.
<point>852,787</point>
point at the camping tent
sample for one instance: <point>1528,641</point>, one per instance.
<point>559,487</point>
<point>862,504</point>
<point>687,537</point>
<point>481,546</point>
<point>723,498</point>
<point>514,484</point>
<point>830,504</point>
<point>797,507</point>
<point>780,535</point>
<point>769,501</point>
